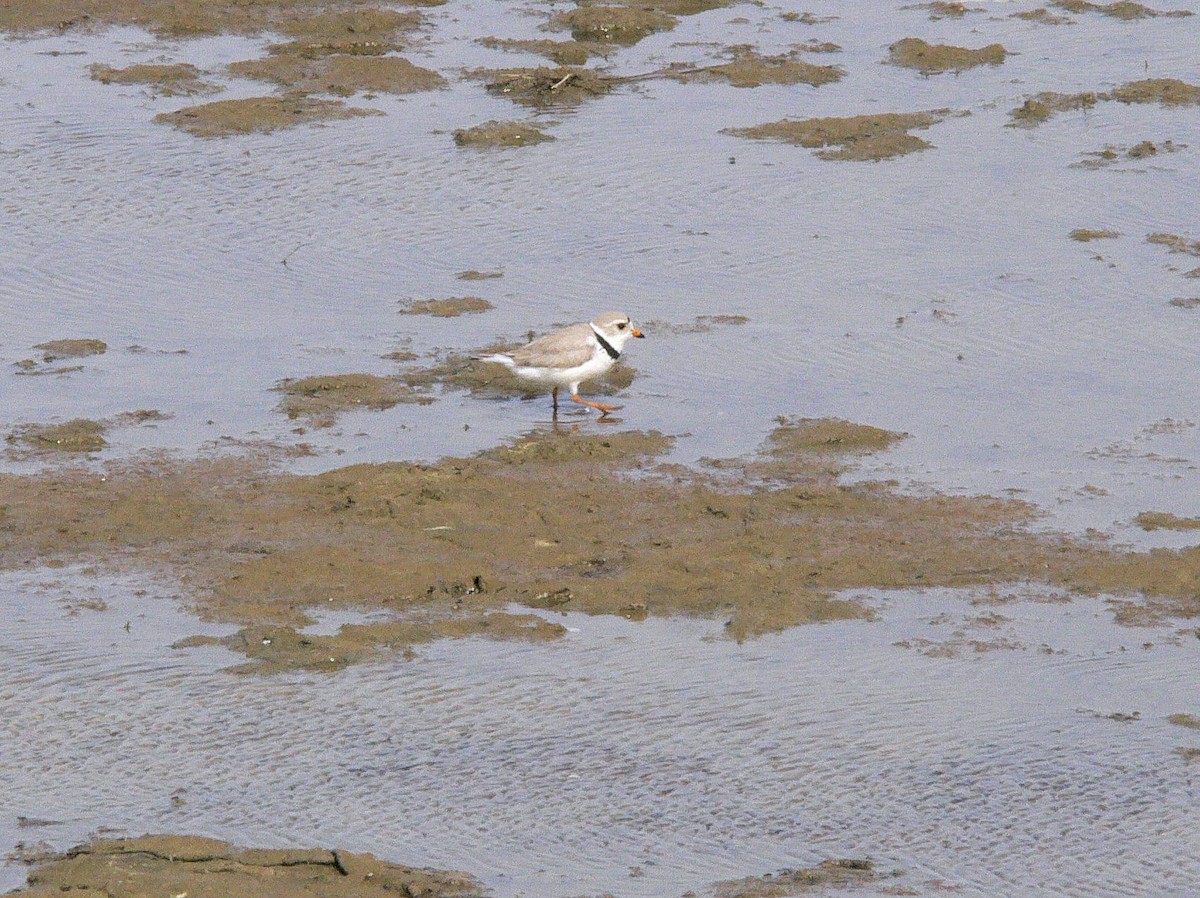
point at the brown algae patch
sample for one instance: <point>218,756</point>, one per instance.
<point>831,873</point>
<point>79,435</point>
<point>857,138</point>
<point>1161,520</point>
<point>321,398</point>
<point>1086,235</point>
<point>53,350</point>
<point>1123,9</point>
<point>748,68</point>
<point>158,865</point>
<point>178,79</point>
<point>554,520</point>
<point>341,74</point>
<point>448,308</point>
<point>624,25</point>
<point>472,274</point>
<point>560,52</point>
<point>500,134</point>
<point>543,86</point>
<point>929,59</point>
<point>224,118</point>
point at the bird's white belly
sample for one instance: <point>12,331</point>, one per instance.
<point>563,377</point>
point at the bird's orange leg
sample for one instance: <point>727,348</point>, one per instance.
<point>604,409</point>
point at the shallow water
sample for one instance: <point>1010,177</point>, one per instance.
<point>657,747</point>
<point>1022,363</point>
<point>118,228</point>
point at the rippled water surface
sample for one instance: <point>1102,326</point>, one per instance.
<point>937,294</point>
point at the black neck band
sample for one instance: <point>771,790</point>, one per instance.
<point>608,347</point>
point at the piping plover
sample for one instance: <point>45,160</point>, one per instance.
<point>567,357</point>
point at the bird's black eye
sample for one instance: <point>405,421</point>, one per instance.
<point>621,325</point>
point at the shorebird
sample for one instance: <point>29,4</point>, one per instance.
<point>568,357</point>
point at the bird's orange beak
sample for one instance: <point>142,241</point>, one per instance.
<point>637,333</point>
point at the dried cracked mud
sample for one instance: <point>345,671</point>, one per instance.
<point>442,550</point>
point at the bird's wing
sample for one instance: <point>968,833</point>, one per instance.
<point>566,348</point>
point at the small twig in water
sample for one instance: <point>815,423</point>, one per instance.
<point>299,246</point>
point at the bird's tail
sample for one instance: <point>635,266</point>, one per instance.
<point>501,359</point>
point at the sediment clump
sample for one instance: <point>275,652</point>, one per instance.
<point>53,350</point>
<point>560,52</point>
<point>929,59</point>
<point>624,25</point>
<point>554,520</point>
<point>500,134</point>
<point>341,74</point>
<point>748,68</point>
<point>177,79</point>
<point>320,399</point>
<point>451,307</point>
<point>543,86</point>
<point>224,118</point>
<point>165,865</point>
<point>1165,91</point>
<point>1123,9</point>
<point>858,138</point>
<point>1086,235</point>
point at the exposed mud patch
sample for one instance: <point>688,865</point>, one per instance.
<point>930,59</point>
<point>750,69</point>
<point>1040,108</point>
<point>79,435</point>
<point>451,307</point>
<point>785,883</point>
<point>500,134</point>
<point>364,31</point>
<point>1175,243</point>
<point>53,350</point>
<point>160,865</point>
<point>1191,721</point>
<point>560,52</point>
<point>670,7</point>
<point>553,520</point>
<point>702,324</point>
<point>545,87</point>
<point>806,18</point>
<point>341,74</point>
<point>1086,235</point>
<point>1120,10</point>
<point>178,79</point>
<point>1161,520</point>
<point>1112,154</point>
<point>940,9</point>
<point>320,399</point>
<point>1166,91</point>
<point>473,275</point>
<point>624,25</point>
<point>1044,16</point>
<point>224,118</point>
<point>1185,302</point>
<point>175,18</point>
<point>860,138</point>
